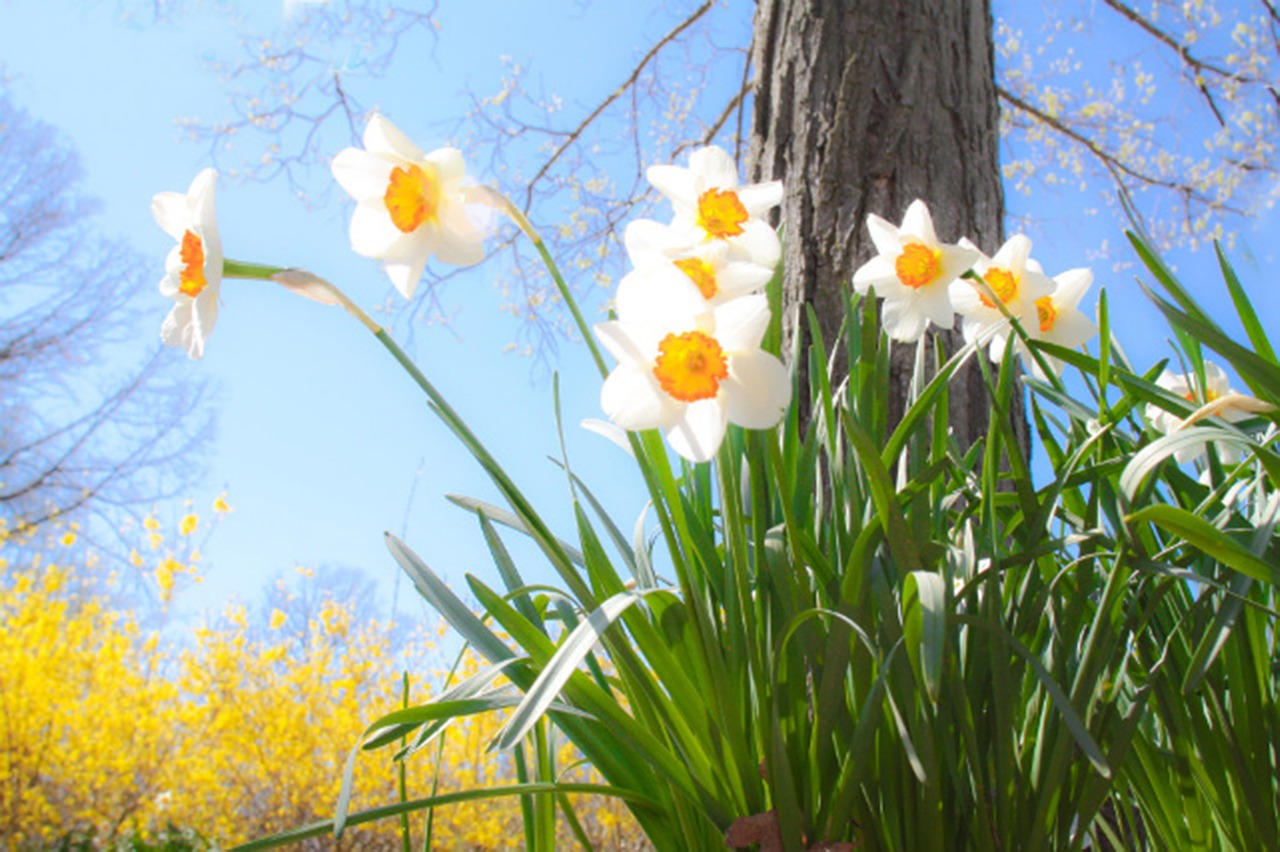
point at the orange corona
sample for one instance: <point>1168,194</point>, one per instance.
<point>690,366</point>
<point>720,213</point>
<point>700,273</point>
<point>918,265</point>
<point>1047,312</point>
<point>411,198</point>
<point>1003,283</point>
<point>191,278</point>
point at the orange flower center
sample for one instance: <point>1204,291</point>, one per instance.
<point>700,273</point>
<point>1047,312</point>
<point>191,278</point>
<point>1002,283</point>
<point>411,198</point>
<point>918,265</point>
<point>720,213</point>
<point>690,366</point>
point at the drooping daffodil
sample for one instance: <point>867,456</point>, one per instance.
<point>1217,399</point>
<point>912,272</point>
<point>1010,276</point>
<point>193,269</point>
<point>410,206</point>
<point>1059,319</point>
<point>690,370</point>
<point>710,205</point>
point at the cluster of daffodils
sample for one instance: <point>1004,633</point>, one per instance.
<point>690,315</point>
<point>922,280</point>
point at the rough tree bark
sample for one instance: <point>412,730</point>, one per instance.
<point>862,106</point>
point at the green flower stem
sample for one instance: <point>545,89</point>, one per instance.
<point>240,269</point>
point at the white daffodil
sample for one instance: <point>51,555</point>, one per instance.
<point>715,268</point>
<point>193,269</point>
<point>691,372</point>
<point>710,205</point>
<point>1218,399</point>
<point>1059,320</point>
<point>409,205</point>
<point>1016,280</point>
<point>911,273</point>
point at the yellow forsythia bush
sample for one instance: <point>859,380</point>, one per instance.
<point>109,733</point>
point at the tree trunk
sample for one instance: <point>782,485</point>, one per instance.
<point>862,106</point>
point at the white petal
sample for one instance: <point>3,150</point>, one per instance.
<point>173,332</point>
<point>1072,285</point>
<point>406,273</point>
<point>919,223</point>
<point>383,137</point>
<point>632,398</point>
<point>460,251</point>
<point>634,343</point>
<point>760,241</point>
<point>740,324</point>
<point>204,314</point>
<point>1013,254</point>
<point>450,167</point>
<point>760,198</point>
<point>646,239</point>
<point>903,321</point>
<point>1070,329</point>
<point>372,232</point>
<point>956,261</point>
<point>934,301</point>
<point>876,272</point>
<point>364,176</point>
<point>661,294</point>
<point>203,198</point>
<point>758,390</point>
<point>885,236</point>
<point>675,183</point>
<point>739,279</point>
<point>172,213</point>
<point>713,167</point>
<point>698,434</point>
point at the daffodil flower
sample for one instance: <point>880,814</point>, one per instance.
<point>717,268</point>
<point>193,269</point>
<point>1059,320</point>
<point>690,371</point>
<point>1012,277</point>
<point>912,272</point>
<point>1217,399</point>
<point>409,205</point>
<point>711,205</point>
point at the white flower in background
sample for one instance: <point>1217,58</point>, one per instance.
<point>193,269</point>
<point>689,370</point>
<point>1059,320</point>
<point>710,205</point>
<point>1217,399</point>
<point>409,205</point>
<point>911,273</point>
<point>718,270</point>
<point>1013,278</point>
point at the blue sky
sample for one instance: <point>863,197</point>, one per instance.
<point>322,443</point>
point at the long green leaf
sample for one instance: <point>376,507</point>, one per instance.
<point>1208,539</point>
<point>924,619</point>
<point>556,673</point>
